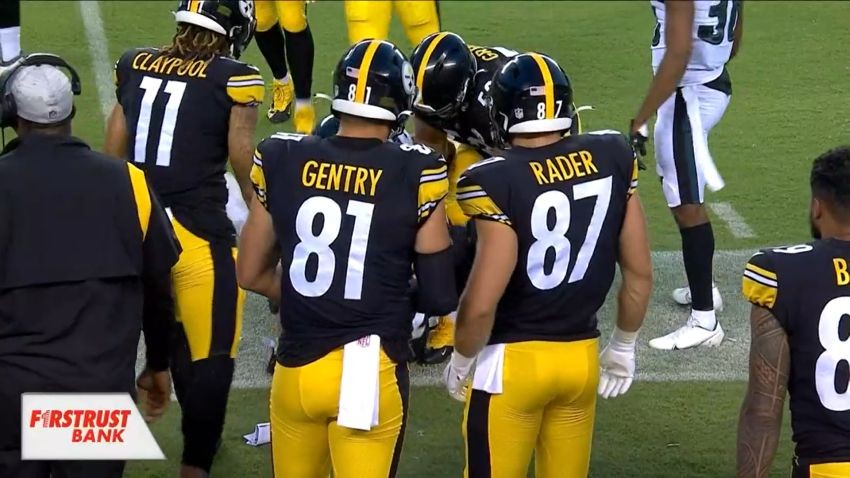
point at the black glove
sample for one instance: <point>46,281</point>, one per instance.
<point>638,138</point>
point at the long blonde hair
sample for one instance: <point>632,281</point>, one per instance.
<point>192,42</point>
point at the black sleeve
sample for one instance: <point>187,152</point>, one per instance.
<point>160,250</point>
<point>436,292</point>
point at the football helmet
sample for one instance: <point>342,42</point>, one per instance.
<point>530,94</point>
<point>444,67</point>
<point>374,80</point>
<point>232,18</point>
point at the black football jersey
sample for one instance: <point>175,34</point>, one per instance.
<point>178,113</point>
<point>807,288</point>
<point>472,125</point>
<point>566,203</point>
<point>346,212</point>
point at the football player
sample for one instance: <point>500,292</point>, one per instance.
<point>371,18</point>
<point>451,117</point>
<point>692,44</point>
<point>348,215</point>
<point>182,111</point>
<point>800,299</point>
<point>283,34</point>
<point>553,215</point>
<point>10,32</point>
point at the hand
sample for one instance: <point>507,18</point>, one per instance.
<point>456,374</point>
<point>638,136</point>
<point>154,390</point>
<point>617,364</point>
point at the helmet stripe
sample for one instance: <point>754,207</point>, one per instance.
<point>363,73</point>
<point>548,86</point>
<point>420,75</point>
<point>194,6</point>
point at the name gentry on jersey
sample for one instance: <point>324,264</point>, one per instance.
<point>340,177</point>
<point>563,168</point>
<point>166,65</point>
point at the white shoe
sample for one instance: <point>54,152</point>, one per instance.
<point>682,296</point>
<point>689,335</point>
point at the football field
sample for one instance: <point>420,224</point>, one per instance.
<point>790,102</point>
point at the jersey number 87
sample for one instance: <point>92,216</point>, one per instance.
<point>555,238</point>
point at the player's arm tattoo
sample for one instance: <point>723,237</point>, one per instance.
<point>761,413</point>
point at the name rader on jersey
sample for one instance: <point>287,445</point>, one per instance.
<point>87,426</point>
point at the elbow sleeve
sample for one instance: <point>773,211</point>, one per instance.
<point>436,292</point>
<point>158,319</point>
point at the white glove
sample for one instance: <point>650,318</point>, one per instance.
<point>456,374</point>
<point>617,364</point>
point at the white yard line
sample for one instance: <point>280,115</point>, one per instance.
<point>735,222</point>
<point>99,51</point>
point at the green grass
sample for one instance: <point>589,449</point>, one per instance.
<point>789,105</point>
<point>657,430</point>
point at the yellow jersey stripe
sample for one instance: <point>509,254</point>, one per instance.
<point>246,95</point>
<point>430,194</point>
<point>758,293</point>
<point>420,75</point>
<point>466,189</point>
<point>245,77</point>
<point>764,272</point>
<point>441,169</point>
<point>363,73</point>
<point>548,86</point>
<point>142,197</point>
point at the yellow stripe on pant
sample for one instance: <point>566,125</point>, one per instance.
<point>829,470</point>
<point>371,19</point>
<point>303,408</point>
<point>208,302</point>
<point>547,408</point>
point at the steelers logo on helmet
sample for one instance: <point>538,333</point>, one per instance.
<point>246,7</point>
<point>407,77</point>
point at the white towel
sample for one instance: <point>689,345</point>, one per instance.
<point>236,209</point>
<point>488,369</point>
<point>358,390</point>
<point>702,157</point>
<point>260,436</point>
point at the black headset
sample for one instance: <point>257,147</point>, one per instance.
<point>8,108</point>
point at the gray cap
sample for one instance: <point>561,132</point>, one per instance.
<point>42,94</point>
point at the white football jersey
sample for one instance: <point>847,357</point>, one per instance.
<point>713,35</point>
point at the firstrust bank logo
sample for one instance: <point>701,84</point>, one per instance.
<point>101,426</point>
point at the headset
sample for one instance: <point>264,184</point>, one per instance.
<point>8,108</point>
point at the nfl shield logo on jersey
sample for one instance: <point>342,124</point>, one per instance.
<point>518,113</point>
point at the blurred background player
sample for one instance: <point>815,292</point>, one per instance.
<point>10,32</point>
<point>182,112</point>
<point>692,44</point>
<point>346,326</point>
<point>284,38</point>
<point>371,18</point>
<point>530,305</point>
<point>800,299</point>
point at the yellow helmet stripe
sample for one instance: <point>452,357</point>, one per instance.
<point>194,5</point>
<point>548,86</point>
<point>420,75</point>
<point>360,92</point>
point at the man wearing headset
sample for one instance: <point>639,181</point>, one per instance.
<point>85,258</point>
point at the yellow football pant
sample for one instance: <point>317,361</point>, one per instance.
<point>207,300</point>
<point>547,408</point>
<point>371,19</point>
<point>291,14</point>
<point>307,442</point>
<point>829,470</point>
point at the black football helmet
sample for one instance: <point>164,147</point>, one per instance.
<point>444,67</point>
<point>329,126</point>
<point>530,94</point>
<point>232,18</point>
<point>374,80</point>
